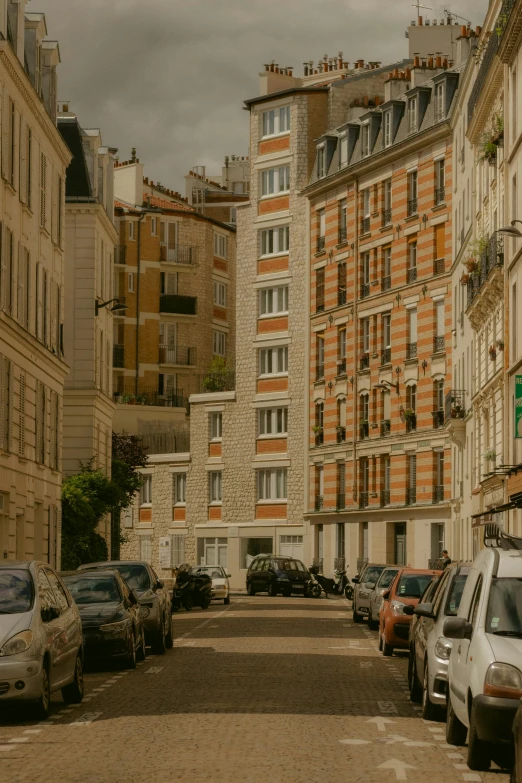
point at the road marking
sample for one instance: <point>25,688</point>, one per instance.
<point>33,731</point>
<point>471,776</point>
<point>380,722</point>
<point>98,690</point>
<point>399,767</point>
<point>365,664</point>
<point>5,748</point>
<point>394,739</point>
<point>355,742</point>
<point>86,719</point>
<point>65,712</point>
<point>387,707</point>
<point>436,729</point>
<point>461,766</point>
<point>86,698</point>
<point>154,670</point>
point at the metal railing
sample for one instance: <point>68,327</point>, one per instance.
<point>386,217</point>
<point>438,419</point>
<point>411,274</point>
<point>118,356</point>
<point>365,361</point>
<point>150,396</point>
<point>454,406</point>
<point>411,423</point>
<point>364,430</point>
<point>438,493</point>
<point>339,564</point>
<point>438,344</point>
<point>343,234</point>
<point>177,304</point>
<point>411,496</point>
<point>167,442</point>
<point>178,254</point>
<point>319,437</point>
<point>386,283</point>
<point>318,502</point>
<point>341,367</point>
<point>341,434</point>
<point>319,372</point>
<point>365,225</point>
<point>177,354</point>
<point>341,501</point>
<point>321,241</point>
<point>365,290</point>
<point>411,350</point>
<point>341,296</point>
<point>215,382</point>
<point>363,499</point>
<point>386,356</point>
<point>439,266</point>
<point>361,562</point>
<point>120,254</point>
<point>440,196</point>
<point>491,257</point>
<point>385,427</point>
<point>412,206</point>
<point>385,497</point>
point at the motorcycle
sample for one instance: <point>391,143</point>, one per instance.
<point>337,586</point>
<point>191,589</point>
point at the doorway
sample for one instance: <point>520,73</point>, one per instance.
<point>400,543</point>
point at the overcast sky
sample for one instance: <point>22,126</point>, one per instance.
<point>169,76</point>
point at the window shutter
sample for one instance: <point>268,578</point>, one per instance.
<point>6,124</point>
<point>38,297</point>
<point>107,366</point>
<point>4,282</point>
<point>43,181</point>
<point>54,210</point>
<point>54,313</point>
<point>21,416</point>
<point>21,305</point>
<point>23,161</point>
<point>440,241</point>
<point>4,404</point>
<point>52,433</point>
<point>7,269</point>
<point>59,317</point>
<point>47,425</point>
<point>97,363</point>
<point>38,421</point>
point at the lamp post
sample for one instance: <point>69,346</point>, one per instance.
<point>115,308</point>
<point>512,230</point>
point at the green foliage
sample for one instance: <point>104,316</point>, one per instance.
<point>218,378</point>
<point>128,454</point>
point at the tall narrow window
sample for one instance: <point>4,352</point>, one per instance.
<point>366,207</point>
<point>215,486</point>
<point>319,487</point>
<point>386,268</point>
<point>341,493</point>
<point>341,283</point>
<point>319,356</point>
<point>365,340</point>
<point>319,423</point>
<point>410,413</point>
<point>216,425</point>
<point>365,274</point>
<point>411,489</point>
<point>365,140</point>
<point>146,490</point>
<point>438,488</point>
<point>386,339</point>
<point>319,289</point>
<point>439,102</point>
<point>387,202</point>
<point>440,182</point>
<point>321,230</point>
<point>343,151</point>
<point>386,483</point>
<point>439,326</point>
<point>387,129</point>
<point>412,115</point>
<point>321,161</point>
<point>5,403</point>
<point>411,271</point>
<point>364,482</point>
<point>341,351</point>
<point>412,207</point>
<point>343,221</point>
<point>411,348</point>
<point>341,420</point>
<point>21,416</point>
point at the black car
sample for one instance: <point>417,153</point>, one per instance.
<point>153,596</point>
<point>112,624</point>
<point>271,574</point>
<point>516,773</point>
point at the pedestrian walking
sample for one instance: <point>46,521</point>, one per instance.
<point>446,560</point>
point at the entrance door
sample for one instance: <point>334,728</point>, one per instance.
<point>291,546</point>
<point>400,543</point>
<point>437,541</point>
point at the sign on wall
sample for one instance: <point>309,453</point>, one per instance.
<point>518,406</point>
<point>165,552</point>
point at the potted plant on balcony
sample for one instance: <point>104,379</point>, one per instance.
<point>456,410</point>
<point>317,429</point>
<point>409,415</point>
<point>500,345</point>
<point>471,264</point>
<point>492,352</point>
<point>464,279</point>
<point>490,455</point>
<point>129,399</point>
<point>489,150</point>
<point>498,130</point>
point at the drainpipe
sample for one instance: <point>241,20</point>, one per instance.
<point>137,378</point>
<point>355,334</point>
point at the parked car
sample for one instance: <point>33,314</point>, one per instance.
<point>112,624</point>
<point>153,596</point>
<point>387,576</point>
<point>429,648</point>
<point>364,584</point>
<point>273,575</point>
<point>516,772</point>
<point>485,666</point>
<point>41,648</point>
<point>405,590</point>
<point>220,583</point>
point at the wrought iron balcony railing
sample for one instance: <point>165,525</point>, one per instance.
<point>318,502</point>
<point>341,501</point>
<point>365,290</point>
<point>319,437</point>
<point>454,406</point>
<point>343,234</point>
<point>385,427</point>
<point>412,207</point>
<point>439,266</point>
<point>411,496</point>
<point>411,274</point>
<point>438,493</point>
<point>411,423</point>
<point>386,217</point>
<point>385,497</point>
<point>364,430</point>
<point>341,367</point>
<point>438,344</point>
<point>341,434</point>
<point>365,361</point>
<point>177,354</point>
<point>386,283</point>
<point>120,254</point>
<point>491,257</point>
<point>386,356</point>
<point>365,225</point>
<point>411,350</point>
<point>341,296</point>
<point>440,196</point>
<point>320,244</point>
<point>363,499</point>
<point>173,253</point>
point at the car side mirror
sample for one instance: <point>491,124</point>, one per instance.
<point>229,576</point>
<point>133,597</point>
<point>386,595</point>
<point>355,580</point>
<point>50,613</point>
<point>457,628</point>
<point>424,610</point>
<point>369,585</point>
<point>159,585</point>
<point>408,610</point>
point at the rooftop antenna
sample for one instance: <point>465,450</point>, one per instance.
<point>418,6</point>
<point>456,16</point>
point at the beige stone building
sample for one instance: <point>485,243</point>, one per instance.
<point>34,159</point>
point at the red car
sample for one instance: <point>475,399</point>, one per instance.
<point>406,590</point>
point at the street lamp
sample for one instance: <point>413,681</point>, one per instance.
<point>115,308</point>
<point>383,384</point>
<point>512,230</point>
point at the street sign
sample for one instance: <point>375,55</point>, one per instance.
<point>518,406</point>
<point>165,548</point>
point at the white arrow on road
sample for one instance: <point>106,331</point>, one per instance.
<point>380,722</point>
<point>399,767</point>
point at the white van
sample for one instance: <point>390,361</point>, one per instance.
<point>485,665</point>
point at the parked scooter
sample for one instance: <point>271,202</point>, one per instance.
<point>339,585</point>
<point>191,589</point>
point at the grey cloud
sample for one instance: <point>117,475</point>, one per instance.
<point>169,76</point>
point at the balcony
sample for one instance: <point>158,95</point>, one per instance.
<point>491,260</point>
<point>411,274</point>
<point>178,305</point>
<point>386,217</point>
<point>341,367</point>
<point>215,382</point>
<point>120,255</point>
<point>411,496</point>
<point>364,430</point>
<point>440,196</point>
<point>386,283</point>
<point>363,499</point>
<point>438,344</point>
<point>365,361</point>
<point>411,350</point>
<point>454,407</point>
<point>118,356</point>
<point>319,372</point>
<point>319,299</point>
<point>385,427</point>
<point>178,254</point>
<point>386,356</point>
<point>319,436</point>
<point>412,207</point>
<point>438,419</point>
<point>343,234</point>
<point>341,434</point>
<point>365,290</point>
<point>411,422</point>
<point>318,502</point>
<point>341,501</point>
<point>177,354</point>
<point>151,396</point>
<point>385,497</point>
<point>438,493</point>
<point>320,244</point>
<point>439,266</point>
<point>365,225</point>
<point>341,296</point>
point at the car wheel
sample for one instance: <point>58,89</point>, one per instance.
<point>373,624</point>
<point>357,618</point>
<point>142,651</point>
<point>130,659</point>
<point>272,590</point>
<point>380,641</point>
<point>73,693</point>
<point>169,639</point>
<point>455,730</point>
<point>43,705</point>
<point>413,680</point>
<point>188,603</point>
<point>250,589</point>
<point>479,752</point>
<point>159,646</point>
<point>205,603</point>
<point>387,649</point>
<point>227,600</point>
<point>430,711</point>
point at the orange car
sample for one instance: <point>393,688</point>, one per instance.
<point>406,590</point>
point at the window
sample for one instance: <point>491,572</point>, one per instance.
<point>439,326</point>
<point>251,547</point>
<point>41,413</point>
<point>365,269</point>
<point>386,268</point>
<point>341,346</point>
<point>215,484</point>
<point>364,407</point>
<point>276,121</point>
<point>216,426</point>
<point>274,240</point>
<point>386,339</point>
<point>319,423</point>
<point>343,220</point>
<point>43,190</point>
<point>25,163</point>
<point>319,289</point>
<point>387,129</point>
<point>412,115</point>
<point>412,193</point>
<point>321,223</point>
<point>271,484</point>
<point>146,548</point>
<point>321,161</point>
<point>340,540</point>
<point>440,182</point>
<point>275,181</point>
<point>154,226</point>
<point>343,151</point>
<point>131,229</point>
<point>366,206</point>
<point>411,271</point>
<point>130,282</point>
<point>212,551</point>
<point>273,361</point>
<point>220,245</point>
<point>220,294</point>
<point>273,421</point>
<point>319,356</point>
<point>514,106</point>
<point>21,418</point>
<point>273,300</point>
<point>439,102</point>
<point>59,592</point>
<point>438,394</point>
<point>365,333</point>
<point>177,550</point>
<point>219,343</point>
<point>438,489</point>
<point>179,481</point>
<point>341,283</point>
<point>411,489</point>
<point>411,397</point>
<point>146,490</point>
<point>387,200</point>
<point>5,405</point>
<point>365,140</point>
<point>411,352</point>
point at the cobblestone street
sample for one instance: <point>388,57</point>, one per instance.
<point>266,689</point>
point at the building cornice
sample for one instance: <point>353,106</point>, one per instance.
<point>94,209</point>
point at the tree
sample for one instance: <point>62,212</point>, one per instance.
<point>128,455</point>
<point>218,378</point>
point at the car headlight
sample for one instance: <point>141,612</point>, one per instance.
<point>17,644</point>
<point>503,680</point>
<point>397,607</point>
<point>364,594</point>
<point>119,626</point>
<point>443,648</point>
<point>145,611</point>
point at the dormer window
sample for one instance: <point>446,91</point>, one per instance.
<point>412,115</point>
<point>439,102</point>
<point>365,140</point>
<point>321,161</point>
<point>387,128</point>
<point>343,151</point>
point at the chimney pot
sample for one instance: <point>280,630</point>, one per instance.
<point>416,61</point>
<point>463,31</point>
<point>420,21</point>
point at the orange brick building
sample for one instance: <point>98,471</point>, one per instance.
<point>380,323</point>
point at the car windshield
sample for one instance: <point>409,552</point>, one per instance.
<point>372,573</point>
<point>92,588</point>
<point>16,591</point>
<point>413,585</point>
<point>214,572</point>
<point>387,578</point>
<point>136,576</point>
<point>455,594</point>
<point>289,565</point>
<point>504,617</point>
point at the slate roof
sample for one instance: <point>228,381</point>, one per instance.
<point>77,180</point>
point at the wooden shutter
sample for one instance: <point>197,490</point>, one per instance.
<point>5,402</point>
<point>440,241</point>
<point>7,269</point>
<point>3,270</point>
<point>38,423</point>
<point>54,209</point>
<point>52,432</point>
<point>59,318</point>
<point>43,184</point>
<point>54,309</point>
<point>22,174</point>
<point>21,304</point>
<point>45,308</point>
<point>27,289</point>
<point>21,416</point>
<point>38,300</point>
<point>107,366</point>
<point>6,124</point>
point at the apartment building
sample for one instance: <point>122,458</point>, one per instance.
<point>90,239</point>
<point>218,196</point>
<point>379,461</point>
<point>33,163</point>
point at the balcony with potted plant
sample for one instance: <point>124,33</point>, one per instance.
<point>410,417</point>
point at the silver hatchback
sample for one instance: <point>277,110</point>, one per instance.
<point>41,647</point>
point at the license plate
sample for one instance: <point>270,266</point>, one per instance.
<point>298,587</point>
